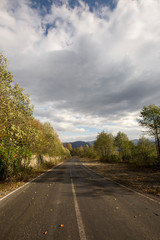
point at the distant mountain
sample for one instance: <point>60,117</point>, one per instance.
<point>82,143</point>
<point>136,141</point>
<point>79,143</point>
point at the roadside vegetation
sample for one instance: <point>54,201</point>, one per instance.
<point>109,148</point>
<point>21,135</point>
<point>24,138</point>
<point>120,149</point>
<point>135,164</point>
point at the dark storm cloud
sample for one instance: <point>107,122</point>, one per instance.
<point>102,64</point>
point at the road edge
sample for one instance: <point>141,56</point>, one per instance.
<point>27,183</point>
<point>120,184</point>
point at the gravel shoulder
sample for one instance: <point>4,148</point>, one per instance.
<point>144,179</point>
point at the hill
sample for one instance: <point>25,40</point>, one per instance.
<point>79,143</point>
<point>83,143</point>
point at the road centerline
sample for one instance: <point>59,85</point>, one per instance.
<point>81,229</point>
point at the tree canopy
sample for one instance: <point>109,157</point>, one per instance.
<point>21,135</point>
<point>104,145</point>
<point>150,118</point>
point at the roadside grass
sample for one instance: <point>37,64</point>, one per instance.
<point>27,174</point>
<point>141,178</point>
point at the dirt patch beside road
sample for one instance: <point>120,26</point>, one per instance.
<point>12,184</point>
<point>15,182</point>
<point>144,179</point>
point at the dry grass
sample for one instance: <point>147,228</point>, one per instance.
<point>15,182</point>
<point>144,179</point>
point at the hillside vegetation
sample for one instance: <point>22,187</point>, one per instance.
<point>119,148</point>
<point>21,135</point>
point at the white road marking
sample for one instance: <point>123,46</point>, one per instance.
<point>24,185</point>
<point>82,233</point>
<point>141,194</point>
<point>14,191</point>
<point>128,188</point>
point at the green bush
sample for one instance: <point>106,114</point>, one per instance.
<point>145,153</point>
<point>47,164</point>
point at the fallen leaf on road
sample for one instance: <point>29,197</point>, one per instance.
<point>61,225</point>
<point>156,214</point>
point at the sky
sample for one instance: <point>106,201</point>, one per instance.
<point>88,65</point>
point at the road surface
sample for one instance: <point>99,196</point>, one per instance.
<point>72,202</point>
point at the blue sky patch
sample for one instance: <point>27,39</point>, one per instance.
<point>45,5</point>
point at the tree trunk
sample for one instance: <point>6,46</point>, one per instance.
<point>157,144</point>
<point>158,148</point>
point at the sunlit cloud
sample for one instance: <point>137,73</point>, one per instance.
<point>85,68</point>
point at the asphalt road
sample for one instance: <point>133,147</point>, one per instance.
<point>72,202</point>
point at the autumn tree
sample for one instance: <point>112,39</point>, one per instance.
<point>104,145</point>
<point>21,135</point>
<point>69,146</point>
<point>77,151</point>
<point>150,119</point>
<point>124,145</point>
<point>89,151</point>
<point>15,110</point>
<point>145,152</point>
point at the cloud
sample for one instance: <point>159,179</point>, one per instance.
<point>102,66</point>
